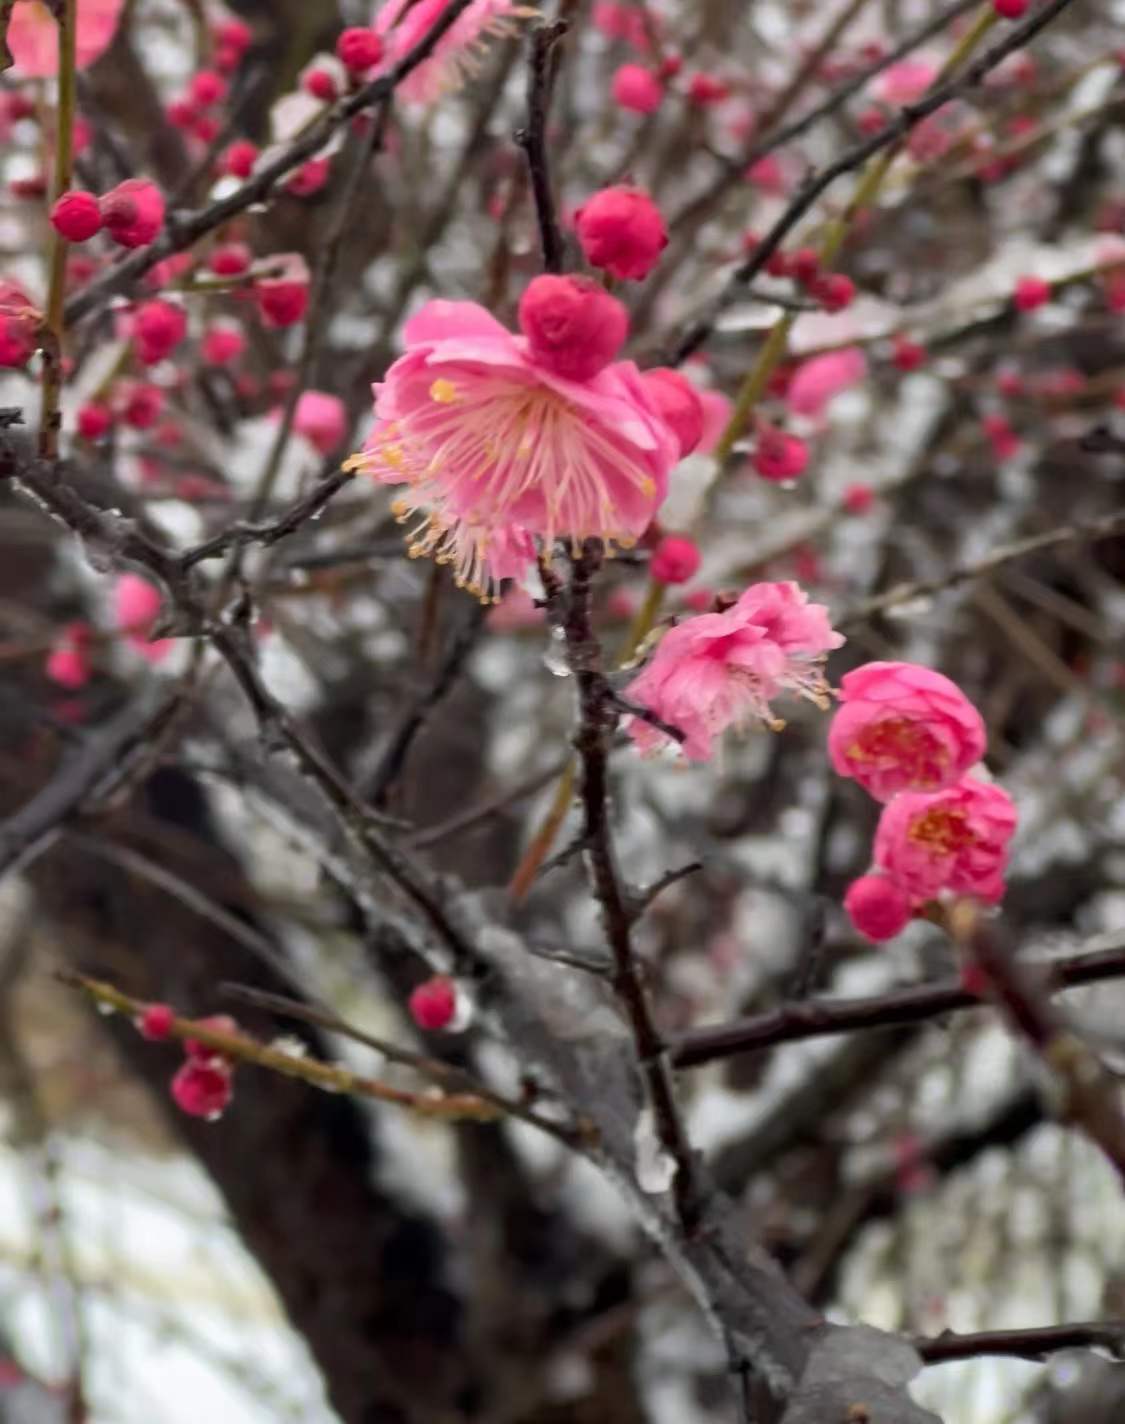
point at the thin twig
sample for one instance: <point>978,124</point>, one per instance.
<point>1038,1344</point>
<point>533,139</point>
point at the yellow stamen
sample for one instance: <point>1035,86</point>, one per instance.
<point>443,391</point>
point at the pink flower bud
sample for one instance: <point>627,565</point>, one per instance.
<point>68,663</point>
<point>219,1023</point>
<point>778,455</point>
<point>283,300</point>
<point>221,345</point>
<point>877,907</point>
<point>433,1004</point>
<point>181,113</point>
<point>155,1022</point>
<point>621,231</point>
<point>19,322</point>
<point>1010,9</point>
<point>231,259</point>
<point>207,88</point>
<point>833,291</point>
<point>233,34</point>
<point>322,419</point>
<point>202,1089</point>
<point>907,355</point>
<point>238,158</point>
<point>359,49</point>
<point>705,89</point>
<point>133,212</point>
<point>637,89</point>
<point>320,84</point>
<point>136,604</point>
<point>858,498</point>
<point>675,559</point>
<point>158,328</point>
<point>573,326</point>
<point>76,216</point>
<point>94,420</point>
<point>1030,293</point>
<point>140,404</point>
<point>310,178</point>
<point>679,403</point>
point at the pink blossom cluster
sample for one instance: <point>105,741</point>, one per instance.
<point>722,670</point>
<point>910,737</point>
<point>203,1084</point>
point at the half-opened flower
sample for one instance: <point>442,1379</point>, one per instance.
<point>493,446</point>
<point>723,670</point>
<point>955,840</point>
<point>903,727</point>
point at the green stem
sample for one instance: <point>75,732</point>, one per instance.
<point>56,291</point>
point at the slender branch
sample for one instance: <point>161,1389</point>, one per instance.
<point>416,713</point>
<point>819,1018</point>
<point>301,512</point>
<point>597,720</point>
<point>1084,533</point>
<point>447,1074</point>
<point>1038,1344</point>
<point>908,118</point>
<point>55,323</point>
<point>330,1077</point>
<point>533,139</point>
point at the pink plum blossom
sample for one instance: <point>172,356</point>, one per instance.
<point>902,727</point>
<point>33,35</point>
<point>495,447</point>
<point>322,419</point>
<point>816,381</point>
<point>722,670</point>
<point>401,25</point>
<point>955,840</point>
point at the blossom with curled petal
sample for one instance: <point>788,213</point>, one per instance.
<point>722,670</point>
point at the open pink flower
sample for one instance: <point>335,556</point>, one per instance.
<point>955,839</point>
<point>722,670</point>
<point>33,34</point>
<point>456,56</point>
<point>496,447</point>
<point>816,381</point>
<point>902,727</point>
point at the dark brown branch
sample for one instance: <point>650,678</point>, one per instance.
<point>188,229</point>
<point>1108,1335</point>
<point>818,1018</point>
<point>415,714</point>
<point>597,720</point>
<point>301,512</point>
<point>908,118</point>
<point>533,139</point>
